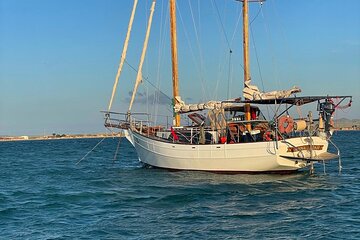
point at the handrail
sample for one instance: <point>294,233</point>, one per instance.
<point>121,113</point>
<point>248,121</point>
<point>338,153</point>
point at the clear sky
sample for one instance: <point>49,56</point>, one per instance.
<point>58,58</point>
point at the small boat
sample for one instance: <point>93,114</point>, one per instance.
<point>230,135</point>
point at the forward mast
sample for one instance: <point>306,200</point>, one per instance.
<point>174,60</point>
<point>246,55</point>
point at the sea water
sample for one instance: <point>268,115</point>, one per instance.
<point>45,195</point>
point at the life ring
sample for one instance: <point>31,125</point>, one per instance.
<point>285,124</point>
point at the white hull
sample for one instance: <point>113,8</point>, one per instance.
<point>242,157</point>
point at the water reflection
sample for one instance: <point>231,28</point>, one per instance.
<point>196,177</point>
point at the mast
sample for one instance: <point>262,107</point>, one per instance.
<point>143,53</point>
<point>123,55</point>
<point>246,56</point>
<point>174,60</point>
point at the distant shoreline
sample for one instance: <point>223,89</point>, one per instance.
<point>84,136</point>
<point>62,137</point>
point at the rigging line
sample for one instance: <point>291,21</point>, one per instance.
<point>199,13</point>
<point>146,79</point>
<point>143,53</point>
<point>146,65</point>
<point>147,98</point>
<point>198,68</point>
<point>257,56</point>
<point>111,131</point>
<point>215,93</point>
<point>188,40</point>
<point>117,150</point>
<point>203,81</point>
<point>229,75</point>
<point>160,53</point>
<point>261,3</point>
<point>282,29</point>
<point>90,151</point>
<point>221,23</point>
<point>214,5</point>
<point>271,47</point>
<point>200,52</point>
<point>236,25</point>
<point>235,30</point>
<point>299,112</point>
<point>219,77</point>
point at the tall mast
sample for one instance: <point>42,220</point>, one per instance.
<point>123,55</point>
<point>246,55</point>
<point>143,53</point>
<point>174,60</point>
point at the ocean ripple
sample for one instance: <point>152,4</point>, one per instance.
<point>45,195</point>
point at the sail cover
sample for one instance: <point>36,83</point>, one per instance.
<point>181,107</point>
<point>252,92</point>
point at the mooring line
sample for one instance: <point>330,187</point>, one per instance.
<point>117,150</point>
<point>90,151</point>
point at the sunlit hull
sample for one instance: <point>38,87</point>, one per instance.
<point>242,157</point>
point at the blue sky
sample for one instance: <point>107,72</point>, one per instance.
<point>58,58</point>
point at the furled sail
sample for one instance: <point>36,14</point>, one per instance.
<point>252,92</point>
<point>181,107</point>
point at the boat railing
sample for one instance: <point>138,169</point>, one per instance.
<point>196,134</point>
<point>148,123</point>
<point>143,123</point>
<point>240,127</point>
<point>119,121</point>
<point>235,130</point>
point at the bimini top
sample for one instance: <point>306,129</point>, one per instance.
<point>294,100</point>
<point>233,104</point>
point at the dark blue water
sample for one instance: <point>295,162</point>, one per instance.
<point>44,195</point>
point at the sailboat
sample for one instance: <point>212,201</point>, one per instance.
<point>231,135</point>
